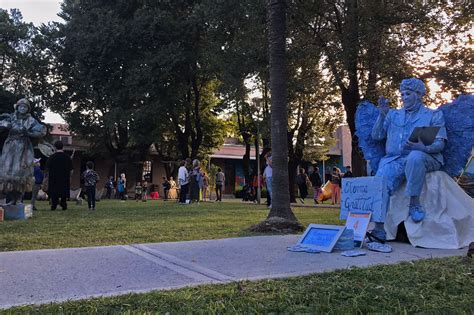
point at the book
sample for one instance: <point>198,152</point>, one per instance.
<point>426,134</point>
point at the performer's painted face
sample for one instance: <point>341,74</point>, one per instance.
<point>410,99</point>
<point>22,108</point>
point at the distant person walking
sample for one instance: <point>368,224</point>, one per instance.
<point>220,182</point>
<point>183,181</point>
<point>336,185</point>
<point>138,191</point>
<point>195,181</point>
<point>316,182</point>
<point>267,178</point>
<point>59,167</point>
<point>109,186</point>
<point>145,192</point>
<point>205,187</point>
<point>122,186</point>
<point>39,177</point>
<point>90,183</point>
<point>302,181</point>
<point>166,187</point>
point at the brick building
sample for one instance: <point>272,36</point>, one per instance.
<point>228,158</point>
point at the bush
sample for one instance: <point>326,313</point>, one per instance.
<point>239,193</point>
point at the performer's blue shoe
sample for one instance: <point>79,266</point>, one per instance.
<point>377,235</point>
<point>417,213</point>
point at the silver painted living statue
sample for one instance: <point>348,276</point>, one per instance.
<point>406,160</point>
<point>16,161</point>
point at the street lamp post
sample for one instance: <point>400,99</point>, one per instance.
<point>257,156</point>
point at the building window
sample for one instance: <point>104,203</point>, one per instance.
<point>146,173</point>
<point>66,140</point>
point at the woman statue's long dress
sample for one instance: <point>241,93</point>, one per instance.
<point>16,161</point>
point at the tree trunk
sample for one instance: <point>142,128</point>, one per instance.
<point>350,99</point>
<point>279,114</point>
<point>292,165</point>
<point>351,94</point>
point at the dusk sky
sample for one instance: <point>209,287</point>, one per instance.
<point>36,11</point>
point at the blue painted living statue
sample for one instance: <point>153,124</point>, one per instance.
<point>16,161</point>
<point>404,159</point>
<point>435,210</point>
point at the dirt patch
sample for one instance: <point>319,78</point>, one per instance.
<point>277,225</point>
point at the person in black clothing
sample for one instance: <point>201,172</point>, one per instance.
<point>317,182</point>
<point>166,187</point>
<point>59,168</point>
<point>109,186</point>
<point>348,172</point>
<point>302,182</point>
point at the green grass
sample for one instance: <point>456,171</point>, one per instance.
<point>441,286</point>
<point>133,222</point>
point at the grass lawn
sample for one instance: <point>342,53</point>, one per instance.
<point>131,222</point>
<point>441,286</point>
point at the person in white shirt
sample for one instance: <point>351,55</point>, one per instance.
<point>267,178</point>
<point>183,181</point>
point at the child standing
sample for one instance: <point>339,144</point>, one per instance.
<point>90,181</point>
<point>138,191</point>
<point>205,186</point>
<point>145,191</point>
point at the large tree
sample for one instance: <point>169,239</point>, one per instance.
<point>21,63</point>
<point>129,74</point>
<point>368,47</point>
<point>281,217</point>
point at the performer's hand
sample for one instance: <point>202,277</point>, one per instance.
<point>415,146</point>
<point>383,105</point>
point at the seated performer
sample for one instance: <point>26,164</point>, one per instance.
<point>406,160</point>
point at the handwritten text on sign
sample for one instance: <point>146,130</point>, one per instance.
<point>364,194</point>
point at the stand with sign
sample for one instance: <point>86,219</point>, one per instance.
<point>359,222</point>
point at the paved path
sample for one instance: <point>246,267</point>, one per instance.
<point>43,276</point>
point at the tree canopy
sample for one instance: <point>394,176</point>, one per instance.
<point>127,74</point>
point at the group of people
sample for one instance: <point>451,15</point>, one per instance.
<point>59,169</point>
<point>304,182</point>
<point>116,189</point>
<point>193,182</point>
<point>169,185</point>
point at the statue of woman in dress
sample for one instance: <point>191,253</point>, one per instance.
<point>16,161</point>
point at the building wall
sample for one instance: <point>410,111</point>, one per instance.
<point>228,158</point>
<point>346,145</point>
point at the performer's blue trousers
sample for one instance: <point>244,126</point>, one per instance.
<point>412,167</point>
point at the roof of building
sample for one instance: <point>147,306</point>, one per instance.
<point>59,130</point>
<point>233,151</point>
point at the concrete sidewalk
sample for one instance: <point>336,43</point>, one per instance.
<point>43,276</point>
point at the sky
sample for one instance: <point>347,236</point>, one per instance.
<point>37,12</point>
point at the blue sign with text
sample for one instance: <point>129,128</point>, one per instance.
<point>363,195</point>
